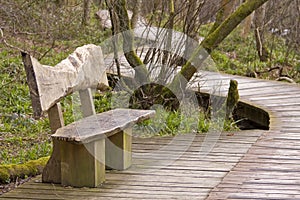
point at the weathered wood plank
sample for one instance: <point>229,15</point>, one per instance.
<point>82,165</point>
<point>118,149</point>
<point>87,104</point>
<point>52,170</point>
<point>269,169</point>
<point>101,125</point>
<point>82,69</point>
<point>109,187</point>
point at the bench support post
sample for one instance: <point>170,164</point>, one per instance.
<point>51,172</point>
<point>87,103</point>
<point>83,165</point>
<point>118,150</point>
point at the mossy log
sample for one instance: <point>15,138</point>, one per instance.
<point>11,172</point>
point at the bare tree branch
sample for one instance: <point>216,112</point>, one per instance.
<point>7,44</point>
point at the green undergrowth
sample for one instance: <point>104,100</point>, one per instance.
<point>22,138</point>
<point>238,55</point>
<point>166,122</point>
<point>172,123</point>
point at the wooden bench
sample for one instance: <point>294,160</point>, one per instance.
<point>84,149</point>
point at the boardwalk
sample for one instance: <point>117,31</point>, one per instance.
<point>253,164</point>
<point>270,169</point>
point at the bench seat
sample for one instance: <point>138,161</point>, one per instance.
<point>101,125</point>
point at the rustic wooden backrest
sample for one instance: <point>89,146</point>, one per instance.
<point>80,71</point>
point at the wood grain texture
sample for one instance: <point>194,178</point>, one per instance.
<point>101,125</point>
<point>82,165</point>
<point>118,148</point>
<point>82,69</point>
<point>87,106</point>
<point>52,170</point>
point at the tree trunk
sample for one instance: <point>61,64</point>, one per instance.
<point>180,81</point>
<point>86,12</point>
<point>225,10</point>
<point>115,30</point>
<point>168,43</point>
<point>259,16</point>
<point>141,72</point>
<point>191,27</point>
<point>213,40</point>
<point>136,13</point>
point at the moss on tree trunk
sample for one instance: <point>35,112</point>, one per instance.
<point>197,58</point>
<point>214,39</point>
<point>141,72</point>
<point>223,13</point>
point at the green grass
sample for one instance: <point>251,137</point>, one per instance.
<point>165,122</point>
<point>21,137</point>
<point>238,55</point>
<point>172,123</point>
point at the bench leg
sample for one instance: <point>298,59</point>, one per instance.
<point>118,150</point>
<point>51,172</point>
<point>83,165</point>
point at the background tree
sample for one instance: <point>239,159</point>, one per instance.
<point>86,12</point>
<point>115,30</point>
<point>38,27</point>
<point>259,16</point>
<point>192,24</point>
<point>211,41</point>
<point>136,13</point>
<point>225,9</point>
